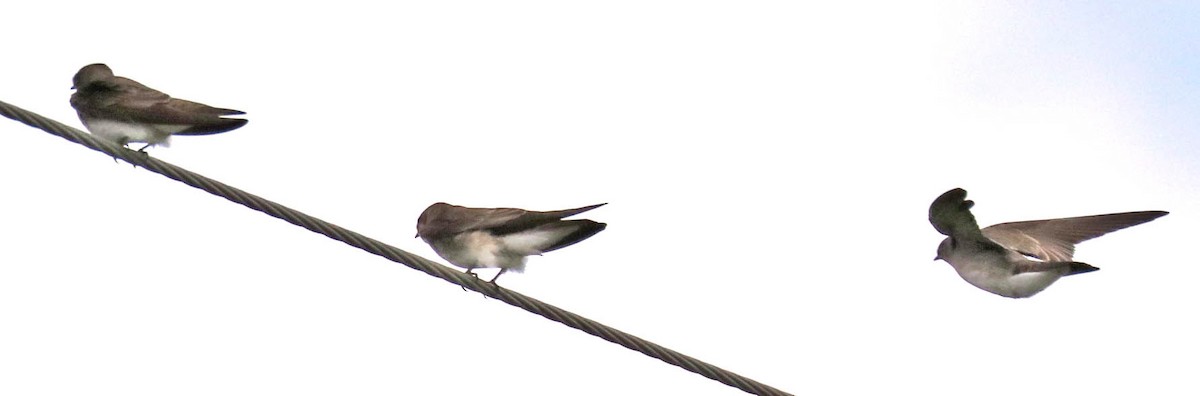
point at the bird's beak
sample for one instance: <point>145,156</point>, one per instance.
<point>417,236</point>
<point>937,258</point>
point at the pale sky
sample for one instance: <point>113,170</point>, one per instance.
<point>767,168</point>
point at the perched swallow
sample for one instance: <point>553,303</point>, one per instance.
<point>1022,258</point>
<point>123,111</point>
<point>501,237</point>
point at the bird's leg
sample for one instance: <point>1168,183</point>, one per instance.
<point>493,281</point>
<point>470,271</point>
<point>143,153</point>
<point>124,143</point>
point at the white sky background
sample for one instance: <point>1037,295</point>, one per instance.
<point>768,168</point>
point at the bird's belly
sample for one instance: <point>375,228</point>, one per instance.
<point>121,132</point>
<point>478,249</point>
<point>1001,281</point>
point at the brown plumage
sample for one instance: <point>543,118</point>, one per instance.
<point>125,111</point>
<point>998,258</point>
<point>500,237</point>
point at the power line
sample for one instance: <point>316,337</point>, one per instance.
<point>386,251</point>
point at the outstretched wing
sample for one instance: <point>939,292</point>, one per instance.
<point>1055,239</point>
<point>951,215</point>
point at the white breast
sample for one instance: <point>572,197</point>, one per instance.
<point>994,273</point>
<point>125,132</point>
<point>478,249</point>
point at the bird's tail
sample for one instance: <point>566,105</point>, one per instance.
<point>1080,268</point>
<point>578,231</point>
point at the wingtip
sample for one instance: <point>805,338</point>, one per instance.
<point>954,194</point>
<point>586,208</point>
<point>1154,215</point>
<point>1135,218</point>
<point>220,125</point>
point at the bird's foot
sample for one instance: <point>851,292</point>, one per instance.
<point>470,271</point>
<point>493,281</point>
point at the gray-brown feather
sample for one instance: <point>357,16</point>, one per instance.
<point>1055,239</point>
<point>99,94</point>
<point>442,219</point>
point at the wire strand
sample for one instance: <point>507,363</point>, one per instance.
<point>386,251</point>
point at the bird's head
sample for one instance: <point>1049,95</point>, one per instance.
<point>944,249</point>
<point>432,220</point>
<point>91,73</point>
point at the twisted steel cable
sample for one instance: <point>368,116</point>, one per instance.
<point>386,251</point>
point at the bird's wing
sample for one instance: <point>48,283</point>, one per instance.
<point>531,219</point>
<point>455,219</point>
<point>445,219</point>
<point>130,100</point>
<point>951,215</point>
<point>1055,239</point>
